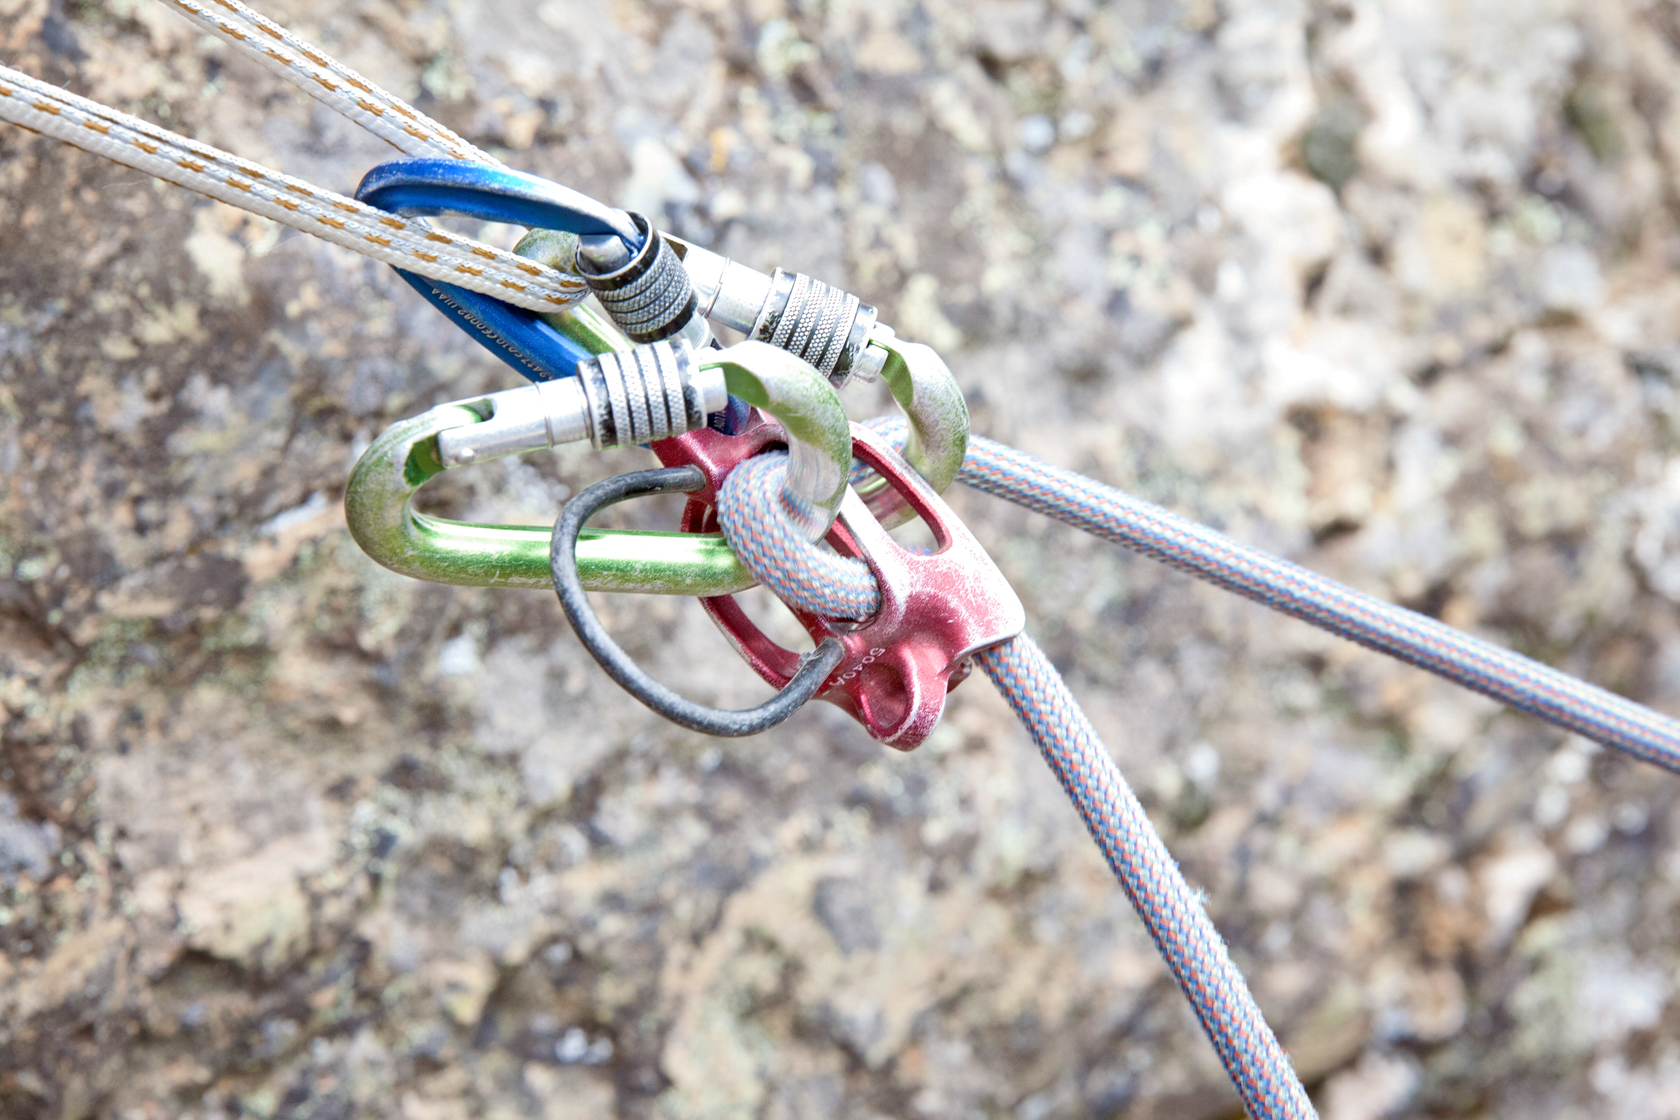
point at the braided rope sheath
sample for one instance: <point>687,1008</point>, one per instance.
<point>1416,639</point>
<point>335,85</point>
<point>800,573</point>
<point>401,242</point>
<point>1168,905</point>
<point>758,527</point>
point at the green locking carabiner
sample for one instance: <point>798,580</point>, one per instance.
<point>379,500</point>
<point>379,507</point>
<point>922,385</point>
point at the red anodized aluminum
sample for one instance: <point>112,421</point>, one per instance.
<point>937,609</point>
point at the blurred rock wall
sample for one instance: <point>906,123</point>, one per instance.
<point>1388,287</point>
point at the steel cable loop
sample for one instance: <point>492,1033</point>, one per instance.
<point>1506,676</point>
<point>814,667</point>
<point>802,574</point>
<point>403,243</point>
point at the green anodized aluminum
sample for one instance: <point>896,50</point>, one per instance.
<point>379,506</point>
<point>922,385</point>
<point>379,501</point>
<point>819,435</point>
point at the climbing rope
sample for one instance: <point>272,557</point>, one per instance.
<point>804,576</point>
<point>751,501</point>
<point>1170,908</point>
<point>755,523</point>
<point>1508,677</point>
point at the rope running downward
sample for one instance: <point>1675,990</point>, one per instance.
<point>801,574</point>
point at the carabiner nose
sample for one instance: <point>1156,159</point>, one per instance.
<point>922,385</point>
<point>819,435</point>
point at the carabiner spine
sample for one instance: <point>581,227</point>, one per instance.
<point>379,509</point>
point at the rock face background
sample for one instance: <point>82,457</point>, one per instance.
<point>1390,288</point>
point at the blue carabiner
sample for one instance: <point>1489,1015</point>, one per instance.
<point>411,187</point>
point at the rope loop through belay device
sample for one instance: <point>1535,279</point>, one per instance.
<point>756,436</point>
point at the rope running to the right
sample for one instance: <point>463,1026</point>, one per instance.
<point>1417,639</point>
<point>752,518</point>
